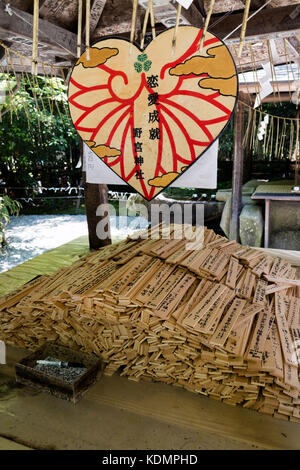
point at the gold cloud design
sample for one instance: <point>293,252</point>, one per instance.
<point>217,64</point>
<point>103,150</point>
<point>97,56</point>
<point>90,143</point>
<point>225,86</point>
<point>163,181</point>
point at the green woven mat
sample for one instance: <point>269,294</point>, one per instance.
<point>47,263</point>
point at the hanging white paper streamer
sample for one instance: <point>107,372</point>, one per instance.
<point>266,87</point>
<point>185,3</point>
<point>274,52</point>
<point>203,173</point>
<point>165,12</point>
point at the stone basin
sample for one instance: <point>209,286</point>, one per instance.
<point>212,209</point>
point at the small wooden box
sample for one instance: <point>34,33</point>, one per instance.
<point>72,391</point>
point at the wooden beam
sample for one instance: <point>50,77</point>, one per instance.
<point>193,15</point>
<point>60,12</point>
<point>294,44</point>
<point>222,6</point>
<point>116,19</point>
<point>284,98</point>
<point>2,49</point>
<point>40,70</point>
<point>237,174</point>
<point>49,34</point>
<point>269,23</point>
<point>282,87</point>
<point>201,7</point>
<point>96,12</point>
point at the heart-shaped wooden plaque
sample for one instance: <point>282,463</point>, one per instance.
<point>150,114</point>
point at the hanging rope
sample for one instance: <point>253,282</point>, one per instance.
<point>179,8</point>
<point>35,39</point>
<point>249,18</point>
<point>207,20</point>
<point>24,57</point>
<point>87,28</point>
<point>79,28</point>
<point>244,27</point>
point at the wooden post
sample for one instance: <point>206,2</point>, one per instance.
<point>95,196</point>
<point>247,165</point>
<point>296,183</point>
<point>267,223</point>
<point>237,174</point>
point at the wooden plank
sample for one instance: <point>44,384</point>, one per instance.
<point>162,274</point>
<point>260,333</point>
<point>49,34</point>
<point>232,272</point>
<point>161,322</point>
<point>288,350</point>
<point>167,305</point>
<point>197,312</point>
<point>170,284</point>
<point>226,325</point>
<point>268,24</point>
<point>96,12</point>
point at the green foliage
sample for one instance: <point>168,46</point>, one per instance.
<point>226,143</point>
<point>280,109</point>
<point>8,207</point>
<point>37,139</point>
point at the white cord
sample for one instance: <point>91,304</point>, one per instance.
<point>249,18</point>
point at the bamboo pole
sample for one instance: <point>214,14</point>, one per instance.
<point>79,28</point>
<point>244,27</point>
<point>87,29</point>
<point>35,37</point>
<point>207,20</point>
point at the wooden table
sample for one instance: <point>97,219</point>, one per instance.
<point>117,413</point>
<point>273,193</point>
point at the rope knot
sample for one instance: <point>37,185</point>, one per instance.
<point>8,9</point>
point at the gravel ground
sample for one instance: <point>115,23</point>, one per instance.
<point>31,235</point>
